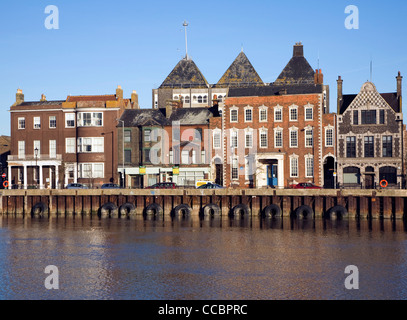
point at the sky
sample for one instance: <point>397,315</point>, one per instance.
<point>135,44</point>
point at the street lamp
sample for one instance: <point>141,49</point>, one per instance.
<point>124,178</point>
<point>36,158</point>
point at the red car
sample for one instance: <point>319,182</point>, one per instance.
<point>306,185</point>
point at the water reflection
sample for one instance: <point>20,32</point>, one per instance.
<point>202,258</point>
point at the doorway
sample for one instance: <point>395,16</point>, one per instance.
<point>329,169</point>
<point>272,175</point>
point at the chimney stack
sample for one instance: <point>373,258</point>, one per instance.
<point>399,88</point>
<point>318,77</point>
<point>298,50</point>
<point>119,92</point>
<point>134,100</point>
<point>19,97</point>
<point>399,78</point>
<point>43,97</point>
<point>340,95</point>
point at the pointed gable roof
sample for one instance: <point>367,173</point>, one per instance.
<point>369,95</point>
<point>298,70</point>
<point>185,75</point>
<point>240,73</point>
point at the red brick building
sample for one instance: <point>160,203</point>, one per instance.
<point>280,134</point>
<point>54,143</point>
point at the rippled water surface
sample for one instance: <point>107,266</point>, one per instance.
<point>251,259</point>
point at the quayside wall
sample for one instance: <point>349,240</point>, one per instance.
<point>124,203</point>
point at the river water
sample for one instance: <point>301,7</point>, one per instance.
<point>211,259</point>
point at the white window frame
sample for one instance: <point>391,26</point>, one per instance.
<point>263,132</point>
<point>185,159</point>
<point>92,170</point>
<point>37,144</point>
<point>248,143</point>
<point>37,123</point>
<point>70,145</point>
<point>294,160</point>
<point>278,130</point>
<point>93,119</point>
<point>278,108</point>
<point>217,139</point>
<point>70,117</point>
<point>291,108</point>
<point>54,118</point>
<point>293,130</point>
<point>329,128</point>
<point>233,109</point>
<point>52,149</point>
<point>309,160</point>
<point>306,130</point>
<point>309,107</point>
<point>235,168</point>
<point>263,109</point>
<point>21,120</point>
<point>21,149</point>
<point>248,108</point>
<point>97,144</point>
<point>234,138</point>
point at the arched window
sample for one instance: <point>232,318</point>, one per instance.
<point>199,99</point>
<point>220,98</point>
<point>205,99</point>
<point>176,97</point>
<point>187,99</point>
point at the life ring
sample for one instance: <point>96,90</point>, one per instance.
<point>5,184</point>
<point>304,211</point>
<point>182,210</point>
<point>154,209</point>
<point>211,210</point>
<point>109,210</point>
<point>384,183</point>
<point>126,210</point>
<point>241,209</point>
<point>272,211</point>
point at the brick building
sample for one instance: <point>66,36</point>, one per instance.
<point>280,134</point>
<point>54,143</point>
<point>371,137</point>
<point>168,144</point>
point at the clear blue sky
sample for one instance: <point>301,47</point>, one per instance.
<point>136,44</point>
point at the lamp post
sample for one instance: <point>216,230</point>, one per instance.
<point>124,178</point>
<point>36,160</point>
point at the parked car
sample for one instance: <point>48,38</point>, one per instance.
<point>163,185</point>
<point>76,186</point>
<point>110,186</point>
<point>211,186</point>
<point>306,185</point>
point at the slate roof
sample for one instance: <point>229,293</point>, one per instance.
<point>185,75</point>
<point>240,73</point>
<point>297,70</point>
<point>5,142</point>
<point>41,103</point>
<point>156,117</point>
<point>143,117</point>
